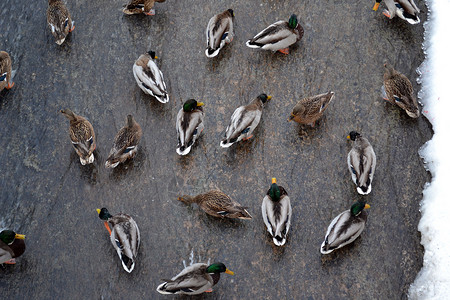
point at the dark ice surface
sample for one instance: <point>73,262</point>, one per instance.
<point>49,196</point>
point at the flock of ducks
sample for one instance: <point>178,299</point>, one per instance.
<point>276,207</point>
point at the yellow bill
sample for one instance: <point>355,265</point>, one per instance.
<point>274,180</point>
<point>375,7</point>
<point>229,272</point>
<point>367,206</point>
<point>20,236</point>
<point>200,103</point>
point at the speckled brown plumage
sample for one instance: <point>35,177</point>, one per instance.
<point>140,6</point>
<point>82,136</point>
<point>59,20</point>
<point>125,143</point>
<point>5,67</point>
<point>399,91</point>
<point>218,204</point>
<point>310,109</point>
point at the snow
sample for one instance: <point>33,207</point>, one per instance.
<point>433,281</point>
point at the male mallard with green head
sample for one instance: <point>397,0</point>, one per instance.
<point>189,125</point>
<point>277,212</point>
<point>125,236</point>
<point>219,32</point>
<point>218,204</point>
<point>12,245</point>
<point>398,90</point>
<point>149,77</point>
<point>5,71</point>
<point>361,161</point>
<point>125,143</point>
<point>345,228</point>
<point>141,7</point>
<point>244,120</point>
<point>82,136</point>
<point>310,109</point>
<point>405,9</point>
<point>59,20</point>
<point>193,280</point>
<point>278,36</point>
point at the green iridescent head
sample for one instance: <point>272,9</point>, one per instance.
<point>8,236</point>
<point>293,21</point>
<point>358,207</point>
<point>218,267</point>
<point>104,214</point>
<point>274,191</point>
<point>191,104</point>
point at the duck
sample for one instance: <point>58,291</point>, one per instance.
<point>141,7</point>
<point>12,245</point>
<point>398,90</point>
<point>361,162</point>
<point>149,77</point>
<point>189,125</point>
<point>277,212</point>
<point>345,228</point>
<point>59,20</point>
<point>125,236</point>
<point>310,109</point>
<point>193,280</point>
<point>5,71</point>
<point>82,136</point>
<point>278,36</point>
<point>219,32</point>
<point>125,143</point>
<point>405,9</point>
<point>218,204</point>
<point>244,120</point>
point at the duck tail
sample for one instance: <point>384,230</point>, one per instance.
<point>182,150</point>
<point>162,289</point>
<point>244,214</point>
<point>278,240</point>
<point>226,144</point>
<point>209,52</point>
<point>253,45</point>
<point>364,190</point>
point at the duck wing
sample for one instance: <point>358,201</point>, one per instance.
<point>125,238</point>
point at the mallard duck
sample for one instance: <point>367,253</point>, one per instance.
<point>12,245</point>
<point>310,109</point>
<point>277,212</point>
<point>405,9</point>
<point>345,228</point>
<point>141,6</point>
<point>5,71</point>
<point>149,77</point>
<point>397,89</point>
<point>218,204</point>
<point>219,32</point>
<point>194,280</point>
<point>125,143</point>
<point>361,162</point>
<point>59,20</point>
<point>82,136</point>
<point>189,125</point>
<point>278,36</point>
<point>125,236</point>
<point>244,120</point>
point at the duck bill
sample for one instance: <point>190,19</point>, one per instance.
<point>19,236</point>
<point>366,206</point>
<point>269,97</point>
<point>229,272</point>
<point>376,5</point>
<point>348,137</point>
<point>291,117</point>
<point>98,210</point>
<point>200,103</point>
<point>274,180</point>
